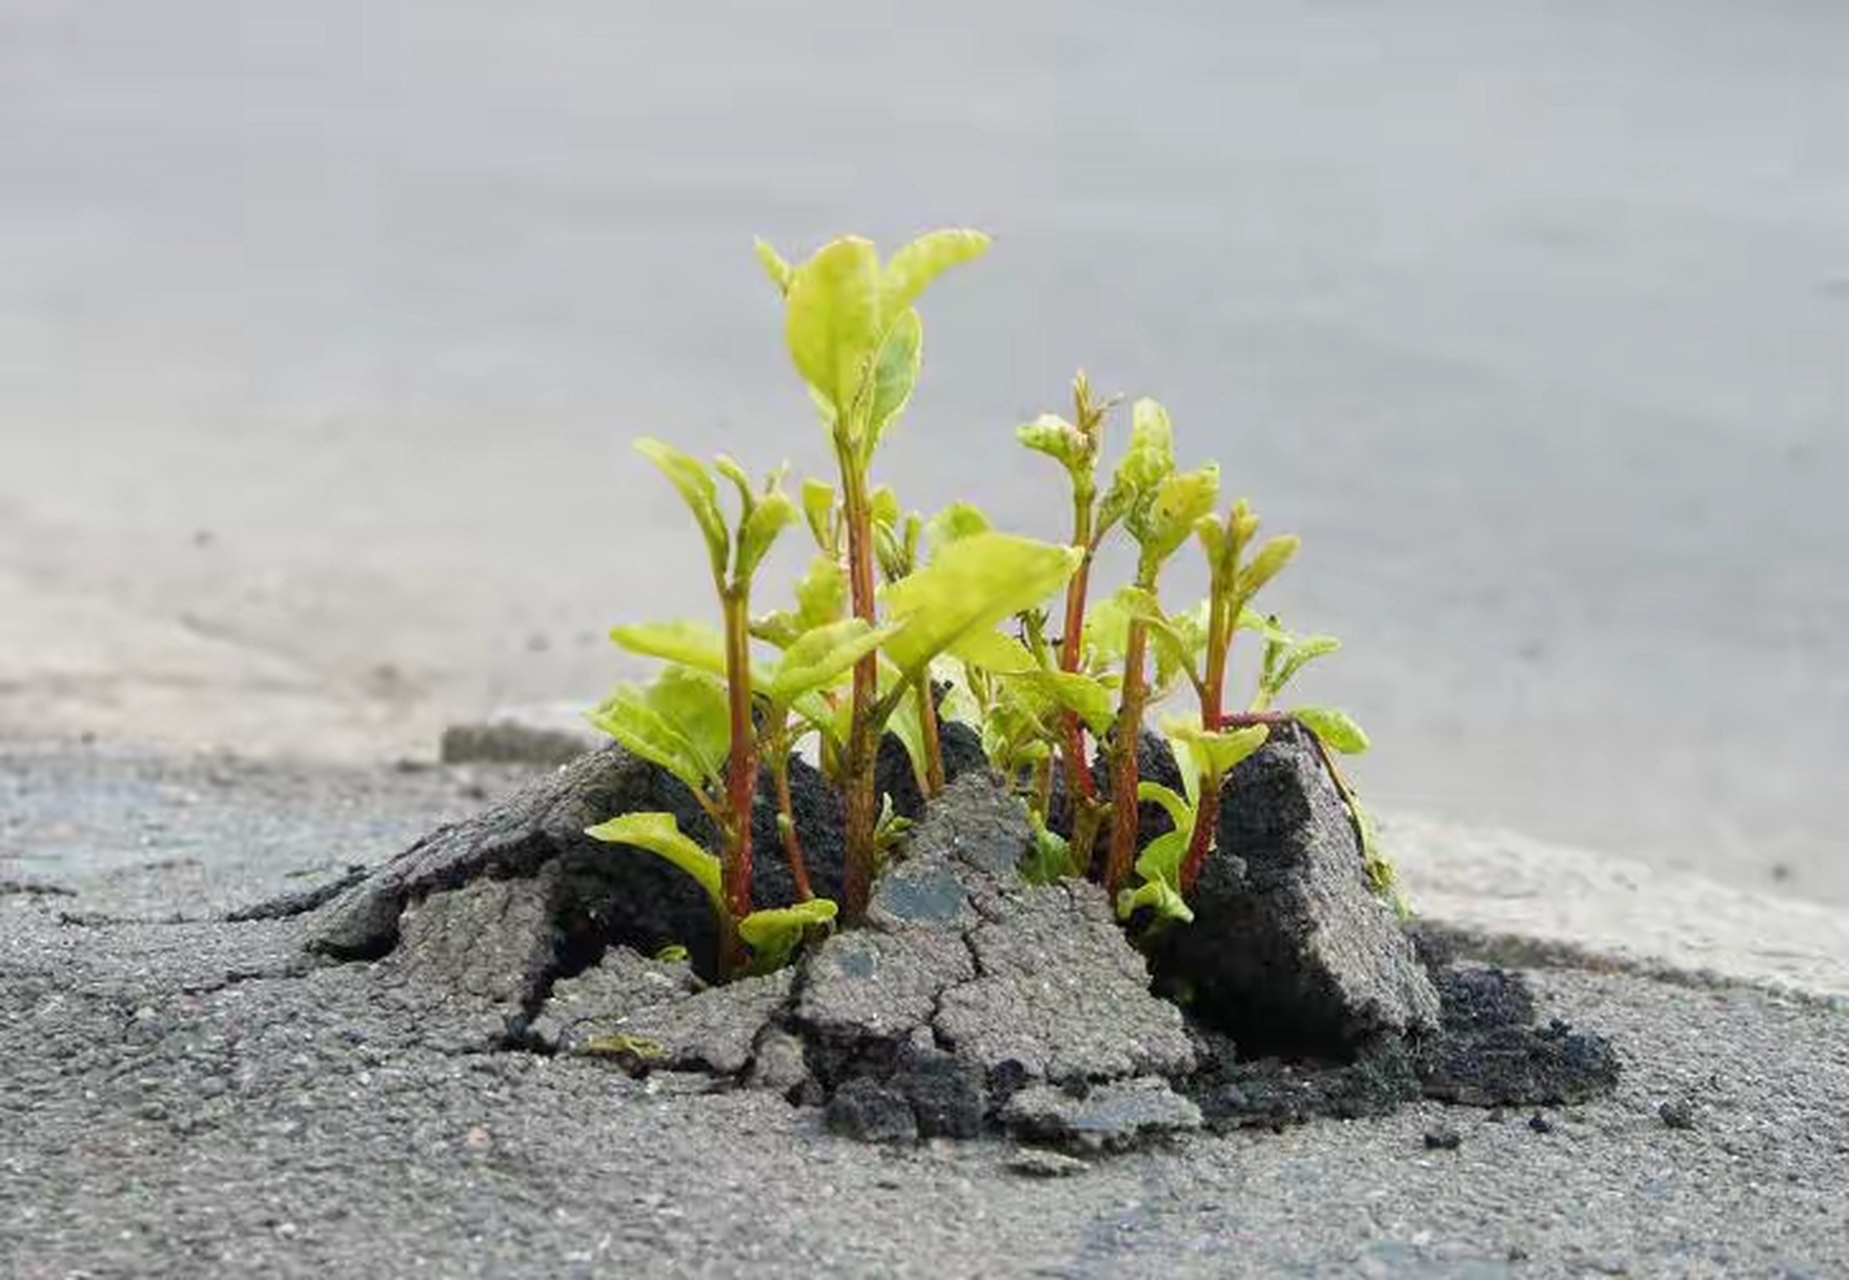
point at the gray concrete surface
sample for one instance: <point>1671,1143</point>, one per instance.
<point>323,330</point>
<point>187,1099</point>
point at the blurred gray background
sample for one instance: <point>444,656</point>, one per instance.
<point>324,328</point>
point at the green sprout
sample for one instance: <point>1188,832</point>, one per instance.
<point>1076,446</point>
<point>896,612</point>
<point>857,340</point>
<point>1159,506</point>
<point>697,720</point>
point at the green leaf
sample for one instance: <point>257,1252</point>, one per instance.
<point>971,586</point>
<point>729,467</point>
<point>919,263</point>
<point>696,703</point>
<point>693,644</point>
<point>1271,558</point>
<point>955,522</point>
<point>1212,536</point>
<point>1160,867</point>
<point>819,512</point>
<point>660,834</point>
<point>895,374</point>
<point>1336,728</point>
<point>695,483</point>
<point>1215,752</point>
<point>995,652</point>
<point>905,725</point>
<point>773,933</point>
<point>1264,624</point>
<point>1050,858</point>
<point>773,513</point>
<point>821,656</point>
<point>883,506</point>
<point>821,593</point>
<point>1150,457</point>
<point>1181,643</point>
<point>1180,811</point>
<point>1107,626</point>
<point>1300,652</point>
<point>779,271</point>
<point>1164,521</point>
<point>832,321</point>
<point>627,716</point>
<point>1058,439</point>
<point>1085,696</point>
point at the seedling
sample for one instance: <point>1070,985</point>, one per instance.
<point>697,720</point>
<point>1160,506</point>
<point>892,602</point>
<point>856,339</point>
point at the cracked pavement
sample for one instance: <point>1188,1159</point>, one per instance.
<point>198,1098</point>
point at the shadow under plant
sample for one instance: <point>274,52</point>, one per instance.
<point>970,1001</point>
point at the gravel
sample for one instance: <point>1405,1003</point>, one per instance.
<point>195,1099</point>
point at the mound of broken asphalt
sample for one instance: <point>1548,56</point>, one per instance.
<point>969,1001</point>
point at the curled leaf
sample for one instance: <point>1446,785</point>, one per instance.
<point>923,260</point>
<point>1058,439</point>
<point>773,933</point>
<point>1270,560</point>
<point>695,483</point>
<point>1160,867</point>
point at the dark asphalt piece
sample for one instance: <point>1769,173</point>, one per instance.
<point>194,1099</point>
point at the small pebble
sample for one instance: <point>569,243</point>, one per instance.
<point>1540,1123</point>
<point>1677,1113</point>
<point>1443,1139</point>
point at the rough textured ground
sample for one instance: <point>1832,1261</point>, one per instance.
<point>189,1099</point>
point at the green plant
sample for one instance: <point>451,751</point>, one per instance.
<point>894,608</point>
<point>857,340</point>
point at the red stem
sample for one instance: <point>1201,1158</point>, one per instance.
<point>786,806</point>
<point>862,813</point>
<point>933,749</point>
<point>1207,811</point>
<point>1123,761</point>
<point>1071,651</point>
<point>741,780</point>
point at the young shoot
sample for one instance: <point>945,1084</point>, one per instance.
<point>1076,446</point>
<point>1159,507</point>
<point>698,720</point>
<point>1232,582</point>
<point>856,339</point>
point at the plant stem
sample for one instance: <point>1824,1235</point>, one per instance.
<point>742,762</point>
<point>1207,811</point>
<point>786,811</point>
<point>862,813</point>
<point>1123,760</point>
<point>933,748</point>
<point>1079,788</point>
<point>1043,785</point>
